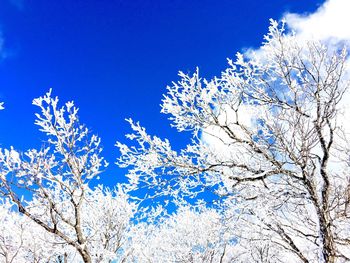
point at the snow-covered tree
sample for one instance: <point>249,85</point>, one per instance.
<point>55,181</point>
<point>21,240</point>
<point>189,235</point>
<point>269,135</point>
<point>12,238</point>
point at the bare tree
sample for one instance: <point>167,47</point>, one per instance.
<point>56,180</point>
<point>267,137</point>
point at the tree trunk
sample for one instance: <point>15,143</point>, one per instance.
<point>85,255</point>
<point>328,249</point>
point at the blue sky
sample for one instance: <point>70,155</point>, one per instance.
<point>115,58</point>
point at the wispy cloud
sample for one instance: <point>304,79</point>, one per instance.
<point>19,4</point>
<point>3,53</point>
<point>1,58</point>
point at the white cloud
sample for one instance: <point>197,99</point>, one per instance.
<point>330,22</point>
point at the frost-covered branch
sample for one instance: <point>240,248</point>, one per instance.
<point>55,179</point>
<point>268,132</point>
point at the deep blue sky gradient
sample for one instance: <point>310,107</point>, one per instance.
<point>115,58</point>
